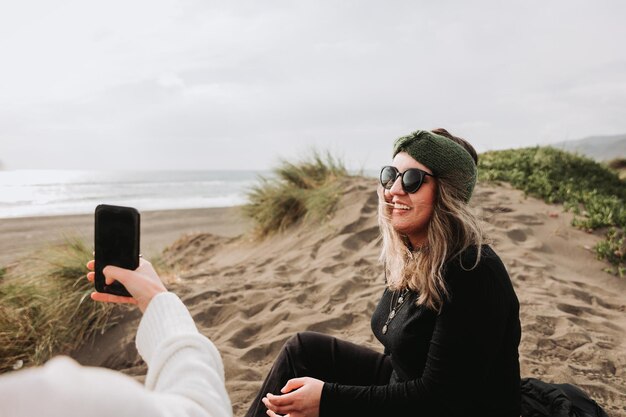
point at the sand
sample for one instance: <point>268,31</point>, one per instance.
<point>23,236</point>
<point>250,296</point>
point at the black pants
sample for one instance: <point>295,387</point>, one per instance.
<point>326,358</point>
<point>332,360</point>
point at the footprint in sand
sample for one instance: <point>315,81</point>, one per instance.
<point>333,269</point>
<point>548,352</point>
<point>521,237</point>
<point>498,209</point>
<point>361,262</point>
<point>517,235</point>
<point>239,372</point>
<point>215,314</point>
<point>370,273</point>
<point>371,205</point>
<point>315,249</point>
<point>245,336</point>
<point>265,263</point>
<point>543,324</point>
<point>571,341</point>
<point>606,342</point>
<point>342,255</point>
<point>196,298</point>
<point>578,310</point>
<point>529,262</point>
<point>342,291</point>
<point>237,271</point>
<point>264,351</point>
<point>283,270</point>
<point>594,366</point>
<point>255,309</point>
<point>360,239</point>
<point>355,226</point>
<point>528,220</point>
<point>326,326</point>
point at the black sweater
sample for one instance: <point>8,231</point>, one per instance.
<point>461,362</point>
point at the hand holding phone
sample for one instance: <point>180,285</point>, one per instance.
<point>116,244</point>
<point>143,284</point>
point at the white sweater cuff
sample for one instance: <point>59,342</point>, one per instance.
<point>165,317</point>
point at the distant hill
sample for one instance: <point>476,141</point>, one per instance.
<point>601,148</point>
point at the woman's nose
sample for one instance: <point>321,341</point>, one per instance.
<point>396,188</point>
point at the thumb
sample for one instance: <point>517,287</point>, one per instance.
<point>115,273</point>
<point>293,384</point>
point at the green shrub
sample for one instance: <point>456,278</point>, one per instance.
<point>613,249</point>
<point>592,191</point>
<point>308,189</point>
<point>45,307</point>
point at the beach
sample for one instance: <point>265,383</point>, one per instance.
<point>249,296</point>
<point>24,236</point>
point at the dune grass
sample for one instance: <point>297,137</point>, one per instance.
<point>589,189</point>
<point>45,307</point>
<point>305,190</point>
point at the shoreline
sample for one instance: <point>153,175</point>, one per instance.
<point>21,236</point>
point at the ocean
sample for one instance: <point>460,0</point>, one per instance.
<point>26,193</point>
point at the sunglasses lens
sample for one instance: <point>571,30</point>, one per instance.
<point>412,180</point>
<point>387,177</point>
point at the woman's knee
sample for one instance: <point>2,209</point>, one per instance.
<point>307,341</point>
<point>301,339</point>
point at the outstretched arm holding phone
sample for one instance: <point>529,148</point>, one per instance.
<point>185,371</point>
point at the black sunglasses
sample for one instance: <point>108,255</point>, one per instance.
<point>411,179</point>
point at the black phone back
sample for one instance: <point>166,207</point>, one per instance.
<point>116,243</point>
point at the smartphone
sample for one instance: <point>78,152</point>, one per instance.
<point>116,243</point>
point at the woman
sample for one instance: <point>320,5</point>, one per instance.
<point>448,317</point>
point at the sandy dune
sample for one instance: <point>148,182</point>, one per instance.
<point>249,297</point>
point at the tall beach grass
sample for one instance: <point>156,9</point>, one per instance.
<point>45,308</point>
<point>305,190</point>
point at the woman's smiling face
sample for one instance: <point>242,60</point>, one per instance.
<point>411,213</point>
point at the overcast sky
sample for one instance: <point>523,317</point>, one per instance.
<point>168,84</point>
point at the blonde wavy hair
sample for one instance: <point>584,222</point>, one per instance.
<point>452,229</point>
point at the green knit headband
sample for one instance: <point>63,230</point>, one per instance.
<point>444,157</point>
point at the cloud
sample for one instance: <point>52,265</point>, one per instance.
<point>191,84</point>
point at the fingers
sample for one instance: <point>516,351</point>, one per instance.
<point>280,409</point>
<point>114,273</point>
<point>91,265</point>
<point>273,414</point>
<point>292,384</point>
<point>279,400</point>
<point>110,298</point>
<point>143,284</point>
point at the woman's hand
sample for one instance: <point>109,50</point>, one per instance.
<point>303,402</point>
<point>143,284</point>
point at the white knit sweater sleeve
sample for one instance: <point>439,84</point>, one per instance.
<point>185,376</point>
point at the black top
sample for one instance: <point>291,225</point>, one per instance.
<point>461,362</point>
